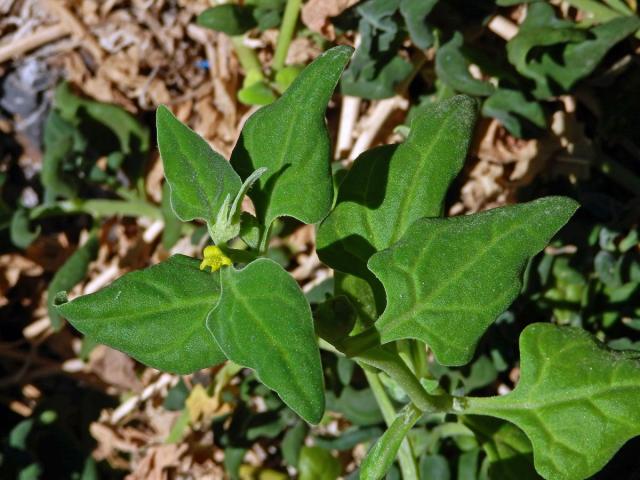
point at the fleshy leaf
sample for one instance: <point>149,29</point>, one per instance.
<point>390,187</point>
<point>156,315</point>
<point>452,68</point>
<point>200,179</point>
<point>577,401</point>
<point>509,451</point>
<point>518,114</point>
<point>290,138</point>
<point>448,279</point>
<point>231,19</point>
<point>263,322</point>
<point>581,50</point>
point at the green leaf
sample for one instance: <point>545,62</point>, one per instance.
<point>518,115</point>
<point>258,93</point>
<point>390,187</point>
<point>318,464</point>
<point>377,70</point>
<point>508,449</point>
<point>22,235</point>
<point>292,443</point>
<point>414,13</point>
<point>581,50</point>
<point>448,279</point>
<point>435,466</point>
<point>59,139</point>
<point>290,138</point>
<point>132,136</point>
<point>156,315</point>
<point>383,453</point>
<point>200,179</point>
<point>358,406</point>
<point>577,401</point>
<point>172,224</point>
<point>70,274</point>
<point>452,68</point>
<point>231,19</point>
<point>263,322</point>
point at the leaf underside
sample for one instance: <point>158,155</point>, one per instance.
<point>448,279</point>
<point>290,138</point>
<point>156,315</point>
<point>200,179</point>
<point>577,401</point>
<point>263,322</point>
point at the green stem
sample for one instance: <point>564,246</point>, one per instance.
<point>405,453</point>
<point>100,208</point>
<point>248,59</point>
<point>289,21</point>
<point>391,364</point>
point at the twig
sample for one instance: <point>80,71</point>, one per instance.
<point>165,380</point>
<point>348,118</point>
<point>76,27</point>
<point>30,42</point>
<point>107,276</point>
<point>374,123</point>
<point>503,27</point>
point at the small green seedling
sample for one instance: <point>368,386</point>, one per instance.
<point>405,279</point>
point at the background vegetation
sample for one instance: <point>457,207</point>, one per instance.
<point>81,202</point>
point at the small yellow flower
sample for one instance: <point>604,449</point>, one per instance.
<point>214,258</point>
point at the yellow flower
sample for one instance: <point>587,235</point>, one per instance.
<point>214,258</point>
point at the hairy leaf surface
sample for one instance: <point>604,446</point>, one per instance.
<point>200,179</point>
<point>382,454</point>
<point>390,187</point>
<point>577,401</point>
<point>156,315</point>
<point>263,322</point>
<point>290,138</point>
<point>448,279</point>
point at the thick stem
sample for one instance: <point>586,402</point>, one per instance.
<point>392,365</point>
<point>289,21</point>
<point>405,453</point>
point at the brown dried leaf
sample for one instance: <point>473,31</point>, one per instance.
<point>114,368</point>
<point>316,14</point>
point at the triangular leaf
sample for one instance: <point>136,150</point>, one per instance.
<point>448,279</point>
<point>577,401</point>
<point>290,139</point>
<point>390,187</point>
<point>156,315</point>
<point>263,322</point>
<point>200,179</point>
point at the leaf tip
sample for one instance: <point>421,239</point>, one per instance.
<point>60,299</point>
